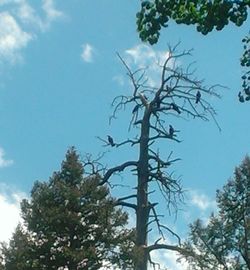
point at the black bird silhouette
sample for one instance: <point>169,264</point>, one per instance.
<point>158,102</point>
<point>175,108</point>
<point>136,108</point>
<point>198,97</point>
<point>241,98</point>
<point>111,141</point>
<point>171,131</point>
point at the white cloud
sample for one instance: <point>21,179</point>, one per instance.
<point>12,38</point>
<point>20,23</point>
<point>4,162</point>
<point>168,260</point>
<point>30,17</point>
<point>10,216</point>
<point>50,10</point>
<point>87,53</point>
<point>144,56</point>
<point>26,13</point>
<point>202,201</point>
<point>9,211</point>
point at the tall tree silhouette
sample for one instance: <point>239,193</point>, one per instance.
<point>175,96</point>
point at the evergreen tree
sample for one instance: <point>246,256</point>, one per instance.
<point>17,255</point>
<point>71,223</point>
<point>224,243</point>
<point>1,261</point>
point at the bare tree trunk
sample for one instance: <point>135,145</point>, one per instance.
<point>178,93</point>
<point>142,213</point>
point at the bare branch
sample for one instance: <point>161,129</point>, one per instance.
<point>128,141</point>
<point>126,204</point>
<point>132,75</point>
<point>156,219</point>
<point>119,168</point>
<point>154,264</point>
<point>95,165</point>
<point>162,133</point>
<point>178,249</point>
<point>127,197</point>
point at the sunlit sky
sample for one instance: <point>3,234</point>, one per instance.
<point>59,73</point>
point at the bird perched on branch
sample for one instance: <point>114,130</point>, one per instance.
<point>171,131</point>
<point>158,102</point>
<point>111,141</point>
<point>198,97</point>
<point>175,108</point>
<point>136,108</point>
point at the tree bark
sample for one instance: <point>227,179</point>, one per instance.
<point>142,213</point>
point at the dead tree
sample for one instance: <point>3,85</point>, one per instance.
<point>179,94</point>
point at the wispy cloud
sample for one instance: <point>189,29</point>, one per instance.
<point>202,201</point>
<point>87,53</point>
<point>4,162</point>
<point>27,14</point>
<point>12,38</point>
<point>30,18</point>
<point>144,56</point>
<point>50,10</point>
<point>20,23</point>
<point>168,260</point>
<point>9,210</point>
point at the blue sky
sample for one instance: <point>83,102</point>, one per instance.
<point>59,73</point>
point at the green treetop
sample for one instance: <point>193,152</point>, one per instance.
<point>71,222</point>
<point>206,16</point>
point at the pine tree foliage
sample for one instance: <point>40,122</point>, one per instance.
<point>17,255</point>
<point>71,223</point>
<point>1,263</point>
<point>224,243</point>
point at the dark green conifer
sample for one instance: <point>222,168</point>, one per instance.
<point>71,223</point>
